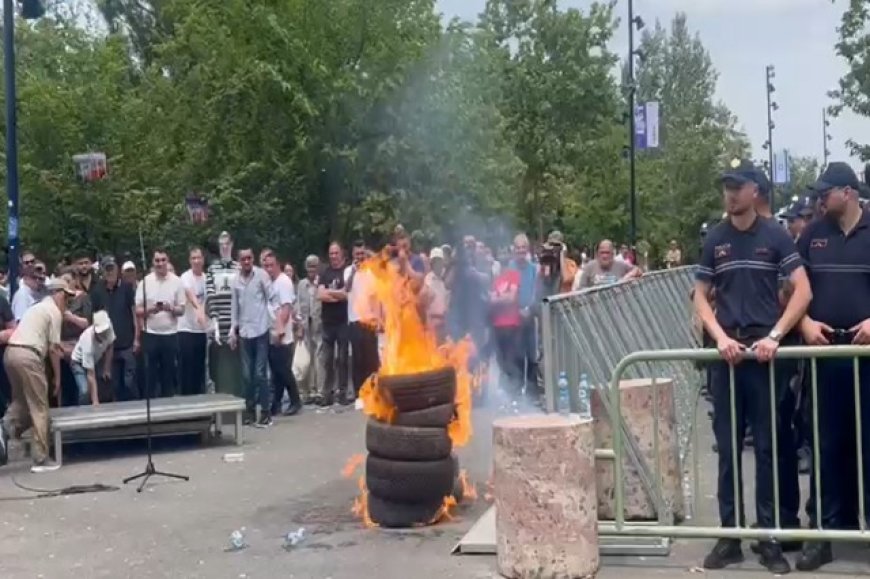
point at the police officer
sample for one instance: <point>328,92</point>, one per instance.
<point>742,259</point>
<point>797,215</point>
<point>836,250</point>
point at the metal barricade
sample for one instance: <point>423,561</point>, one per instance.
<point>590,331</point>
<point>621,450</point>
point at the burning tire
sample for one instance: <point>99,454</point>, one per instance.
<point>390,515</point>
<point>412,392</point>
<point>458,490</point>
<point>437,416</point>
<point>409,443</point>
<point>409,482</point>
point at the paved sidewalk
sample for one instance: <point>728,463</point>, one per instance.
<point>290,478</point>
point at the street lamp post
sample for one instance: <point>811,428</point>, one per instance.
<point>771,106</point>
<point>633,21</point>
<point>826,138</point>
<point>30,10</point>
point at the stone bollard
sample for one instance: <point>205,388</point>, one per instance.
<point>637,406</point>
<point>545,502</point>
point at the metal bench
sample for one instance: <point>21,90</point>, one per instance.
<point>169,413</point>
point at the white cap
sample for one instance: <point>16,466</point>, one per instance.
<point>102,323</point>
<point>58,284</point>
<point>128,265</point>
<point>436,253</point>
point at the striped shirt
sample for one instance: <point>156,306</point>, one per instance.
<point>219,280</point>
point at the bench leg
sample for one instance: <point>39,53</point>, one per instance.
<point>58,447</point>
<point>218,424</point>
<point>239,429</point>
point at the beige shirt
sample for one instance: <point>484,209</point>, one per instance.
<point>39,328</point>
<point>168,290</point>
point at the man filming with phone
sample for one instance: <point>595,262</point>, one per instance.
<point>158,316</point>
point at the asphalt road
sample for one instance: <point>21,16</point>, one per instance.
<point>290,478</point>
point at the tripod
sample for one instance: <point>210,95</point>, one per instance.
<point>150,469</point>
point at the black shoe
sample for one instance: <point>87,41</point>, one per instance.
<point>325,401</point>
<point>264,422</point>
<point>293,409</point>
<point>715,448</point>
<point>726,552</point>
<point>772,558</point>
<point>814,555</point>
<point>4,444</point>
<point>249,419</point>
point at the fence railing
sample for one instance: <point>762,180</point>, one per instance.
<point>622,448</point>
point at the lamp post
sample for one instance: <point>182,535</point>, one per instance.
<point>633,22</point>
<point>826,138</point>
<point>30,9</point>
<point>770,74</point>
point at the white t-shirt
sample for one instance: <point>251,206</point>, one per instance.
<point>88,351</point>
<point>22,300</point>
<point>167,290</point>
<point>281,293</point>
<point>196,285</point>
<point>359,306</point>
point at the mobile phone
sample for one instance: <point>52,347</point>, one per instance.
<point>159,305</point>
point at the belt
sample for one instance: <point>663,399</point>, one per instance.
<point>747,332</point>
<point>841,337</point>
<point>23,347</point>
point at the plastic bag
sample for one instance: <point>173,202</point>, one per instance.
<point>301,361</point>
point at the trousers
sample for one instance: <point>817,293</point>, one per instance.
<point>29,408</point>
<point>365,360</point>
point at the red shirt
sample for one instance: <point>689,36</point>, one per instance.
<point>507,315</point>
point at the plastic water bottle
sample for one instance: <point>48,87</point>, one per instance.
<point>584,395</point>
<point>564,399</point>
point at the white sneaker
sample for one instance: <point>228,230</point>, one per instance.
<point>46,465</point>
<point>358,404</point>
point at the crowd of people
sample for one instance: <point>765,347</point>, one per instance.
<point>99,325</point>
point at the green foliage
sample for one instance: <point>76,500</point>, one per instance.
<point>302,121</point>
<point>854,46</point>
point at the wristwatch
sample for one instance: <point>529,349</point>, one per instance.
<point>775,335</point>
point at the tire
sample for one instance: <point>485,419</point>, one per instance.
<point>435,417</point>
<point>411,392</point>
<point>409,482</point>
<point>409,443</point>
<point>390,515</point>
<point>458,491</point>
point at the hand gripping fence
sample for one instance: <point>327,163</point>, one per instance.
<point>645,329</point>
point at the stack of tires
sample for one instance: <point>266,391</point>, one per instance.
<point>410,466</point>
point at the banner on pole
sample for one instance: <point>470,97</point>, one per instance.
<point>646,125</point>
<point>781,167</point>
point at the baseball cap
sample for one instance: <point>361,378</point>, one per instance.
<point>436,253</point>
<point>108,262</point>
<point>128,265</point>
<point>59,284</point>
<point>555,237</point>
<point>836,174</point>
<point>742,171</point>
<point>102,323</point>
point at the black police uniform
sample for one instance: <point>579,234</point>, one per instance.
<point>744,267</point>
<point>839,272</point>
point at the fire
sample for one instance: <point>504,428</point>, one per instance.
<point>399,301</point>
<point>361,503</point>
<point>411,346</point>
<point>353,463</point>
<point>469,491</point>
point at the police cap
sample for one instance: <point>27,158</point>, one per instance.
<point>837,174</point>
<point>742,171</point>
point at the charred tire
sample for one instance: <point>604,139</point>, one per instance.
<point>390,515</point>
<point>409,482</point>
<point>409,443</point>
<point>411,392</point>
<point>458,491</point>
<point>435,417</point>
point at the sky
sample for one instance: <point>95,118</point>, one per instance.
<point>797,37</point>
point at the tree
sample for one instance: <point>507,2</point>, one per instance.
<point>678,182</point>
<point>854,88</point>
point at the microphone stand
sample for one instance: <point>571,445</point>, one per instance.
<point>150,469</point>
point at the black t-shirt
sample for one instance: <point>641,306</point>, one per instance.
<point>333,313</point>
<point>6,314</point>
<point>118,302</point>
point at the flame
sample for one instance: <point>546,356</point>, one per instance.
<point>411,346</point>
<point>353,463</point>
<point>396,305</point>
<point>469,491</point>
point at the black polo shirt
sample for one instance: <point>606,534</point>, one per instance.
<point>839,271</point>
<point>744,268</point>
<point>118,302</point>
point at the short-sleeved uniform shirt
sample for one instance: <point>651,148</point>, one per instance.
<point>39,327</point>
<point>839,270</point>
<point>744,268</point>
